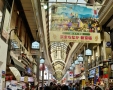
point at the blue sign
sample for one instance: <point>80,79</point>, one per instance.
<point>92,72</point>
<point>14,44</point>
<point>108,44</point>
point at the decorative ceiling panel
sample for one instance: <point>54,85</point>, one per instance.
<point>28,9</point>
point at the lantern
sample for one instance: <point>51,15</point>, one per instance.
<point>76,62</point>
<point>80,59</point>
<point>73,65</point>
<point>88,52</point>
<point>42,61</point>
<point>105,71</point>
<point>71,68</point>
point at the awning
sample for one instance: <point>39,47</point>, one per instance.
<point>16,73</point>
<point>18,64</point>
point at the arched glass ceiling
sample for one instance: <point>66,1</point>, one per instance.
<point>58,63</point>
<point>59,49</point>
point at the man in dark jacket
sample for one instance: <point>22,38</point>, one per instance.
<point>97,88</point>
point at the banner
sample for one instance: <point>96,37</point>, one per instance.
<point>74,18</point>
<point>70,36</point>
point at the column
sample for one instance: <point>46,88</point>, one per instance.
<point>38,63</point>
<point>86,64</point>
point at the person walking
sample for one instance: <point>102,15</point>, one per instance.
<point>70,87</point>
<point>88,86</point>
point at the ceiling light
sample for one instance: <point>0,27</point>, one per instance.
<point>45,6</point>
<point>80,59</point>
<point>76,62</point>
<point>73,65</point>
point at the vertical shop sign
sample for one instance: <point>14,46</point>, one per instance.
<point>5,32</point>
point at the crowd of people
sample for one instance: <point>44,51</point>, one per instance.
<point>75,86</point>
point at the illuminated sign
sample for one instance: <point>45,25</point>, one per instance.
<point>35,45</point>
<point>88,52</point>
<point>108,44</point>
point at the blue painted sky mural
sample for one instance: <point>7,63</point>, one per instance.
<point>71,11</point>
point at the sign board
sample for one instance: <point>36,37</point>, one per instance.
<point>26,79</point>
<point>92,72</point>
<point>14,44</point>
<point>17,51</point>
<point>35,45</point>
<point>71,36</point>
<point>108,44</point>
<point>6,25</point>
<point>35,52</point>
<point>74,18</point>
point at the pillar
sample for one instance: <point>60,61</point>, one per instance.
<point>38,63</point>
<point>86,64</point>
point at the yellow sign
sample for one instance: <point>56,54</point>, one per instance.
<point>26,79</point>
<point>70,36</point>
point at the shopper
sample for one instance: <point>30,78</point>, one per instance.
<point>97,88</point>
<point>88,86</point>
<point>111,86</point>
<point>8,87</point>
<point>70,87</point>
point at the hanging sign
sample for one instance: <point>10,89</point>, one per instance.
<point>88,52</point>
<point>14,44</point>
<point>70,36</point>
<point>108,44</point>
<point>74,18</point>
<point>35,45</point>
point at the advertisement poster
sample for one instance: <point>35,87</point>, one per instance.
<point>74,23</point>
<point>74,18</point>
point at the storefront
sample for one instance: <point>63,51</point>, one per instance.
<point>3,57</point>
<point>95,75</point>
